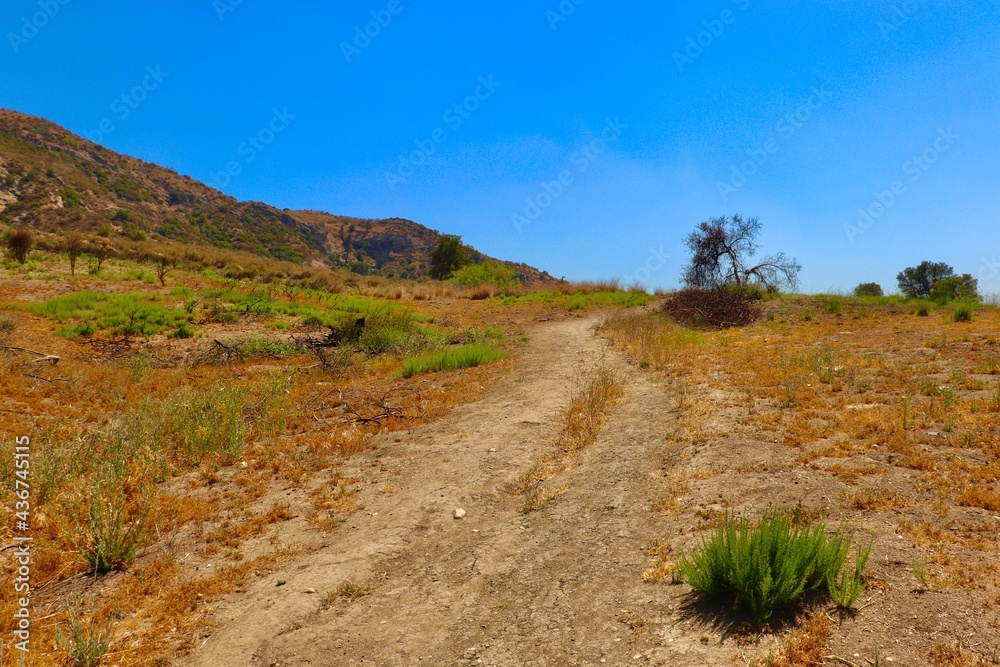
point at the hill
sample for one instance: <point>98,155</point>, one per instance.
<point>56,181</point>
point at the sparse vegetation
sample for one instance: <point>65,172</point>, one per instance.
<point>466,356</point>
<point>86,641</point>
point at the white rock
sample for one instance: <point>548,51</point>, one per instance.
<point>460,513</point>
<point>310,591</point>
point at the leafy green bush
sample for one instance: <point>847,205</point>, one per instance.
<point>465,356</point>
<point>770,565</point>
<point>955,288</point>
<point>868,289</point>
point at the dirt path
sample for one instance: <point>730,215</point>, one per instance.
<point>560,586</point>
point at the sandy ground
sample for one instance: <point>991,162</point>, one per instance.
<point>560,586</point>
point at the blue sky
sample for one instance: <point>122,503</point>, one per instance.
<point>655,117</point>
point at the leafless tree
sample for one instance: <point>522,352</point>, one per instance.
<point>722,255</point>
<point>163,265</point>
<point>100,252</point>
<point>74,248</point>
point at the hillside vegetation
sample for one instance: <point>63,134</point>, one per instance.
<point>55,181</point>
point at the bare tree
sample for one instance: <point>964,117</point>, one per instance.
<point>163,265</point>
<point>722,255</point>
<point>74,248</point>
<point>100,252</point>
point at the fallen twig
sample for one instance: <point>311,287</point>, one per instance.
<point>44,355</point>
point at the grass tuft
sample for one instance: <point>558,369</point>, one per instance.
<point>86,642</point>
<point>770,565</point>
<point>465,356</point>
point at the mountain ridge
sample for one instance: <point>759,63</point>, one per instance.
<point>56,181</point>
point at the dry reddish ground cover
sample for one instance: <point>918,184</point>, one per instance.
<point>214,519</point>
<point>873,418</point>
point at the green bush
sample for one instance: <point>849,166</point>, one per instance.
<point>388,331</point>
<point>964,312</point>
<point>868,289</point>
<point>770,565</point>
<point>955,288</point>
<point>834,306</point>
<point>183,330</point>
<point>493,273</point>
<point>466,356</point>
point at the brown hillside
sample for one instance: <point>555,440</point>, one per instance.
<point>55,181</point>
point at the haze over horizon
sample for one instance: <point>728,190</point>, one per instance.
<point>581,137</point>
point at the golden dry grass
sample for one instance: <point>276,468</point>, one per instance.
<point>198,450</point>
<point>893,418</point>
<point>582,420</point>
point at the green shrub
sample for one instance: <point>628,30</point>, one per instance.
<point>124,314</point>
<point>868,289</point>
<point>183,330</point>
<point>116,528</point>
<point>770,565</point>
<point>465,356</point>
<point>388,331</point>
<point>834,306</point>
<point>964,312</point>
<point>493,273</point>
<point>955,288</point>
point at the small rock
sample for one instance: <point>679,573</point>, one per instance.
<point>310,591</point>
<point>493,449</point>
<point>460,513</point>
<point>243,464</point>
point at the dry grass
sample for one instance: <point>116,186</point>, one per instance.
<point>198,452</point>
<point>875,414</point>
<point>803,647</point>
<point>582,420</point>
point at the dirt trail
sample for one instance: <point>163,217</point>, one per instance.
<point>555,587</point>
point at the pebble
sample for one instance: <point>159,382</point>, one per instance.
<point>310,591</point>
<point>460,513</point>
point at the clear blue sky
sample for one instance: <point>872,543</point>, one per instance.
<point>874,85</point>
